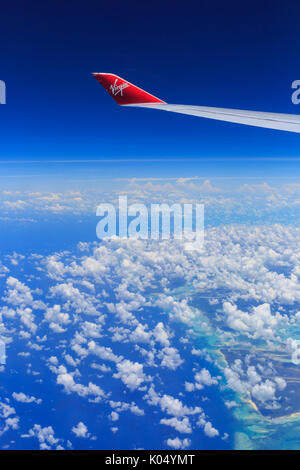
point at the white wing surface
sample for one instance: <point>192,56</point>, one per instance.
<point>127,94</point>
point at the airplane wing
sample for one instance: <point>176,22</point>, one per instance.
<point>127,94</point>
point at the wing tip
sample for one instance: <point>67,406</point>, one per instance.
<point>123,91</point>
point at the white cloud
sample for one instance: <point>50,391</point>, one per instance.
<point>80,430</point>
<point>209,430</point>
<point>178,443</point>
<point>10,421</point>
<point>54,315</point>
<point>23,398</point>
<point>258,268</point>
<point>114,416</point>
<point>170,358</point>
<point>172,406</point>
<point>44,435</point>
<point>67,381</point>
<point>202,378</point>
<point>131,374</point>
<point>259,322</point>
<point>181,425</point>
<point>264,392</point>
<point>161,335</point>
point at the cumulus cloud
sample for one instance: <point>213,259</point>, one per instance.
<point>259,322</point>
<point>23,398</point>
<point>170,358</point>
<point>120,407</point>
<point>131,374</point>
<point>161,335</point>
<point>70,386</point>
<point>249,381</point>
<point>181,425</point>
<point>125,291</point>
<point>208,428</point>
<point>202,378</point>
<point>17,293</point>
<point>178,443</point>
<point>45,436</point>
<point>172,406</point>
<point>80,430</point>
<point>56,318</point>
<point>8,418</point>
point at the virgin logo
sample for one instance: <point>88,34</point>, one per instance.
<point>116,89</point>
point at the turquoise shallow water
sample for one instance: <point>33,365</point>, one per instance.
<point>251,429</point>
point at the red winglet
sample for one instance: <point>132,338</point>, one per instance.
<point>124,92</point>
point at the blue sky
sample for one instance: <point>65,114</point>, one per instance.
<point>206,53</point>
